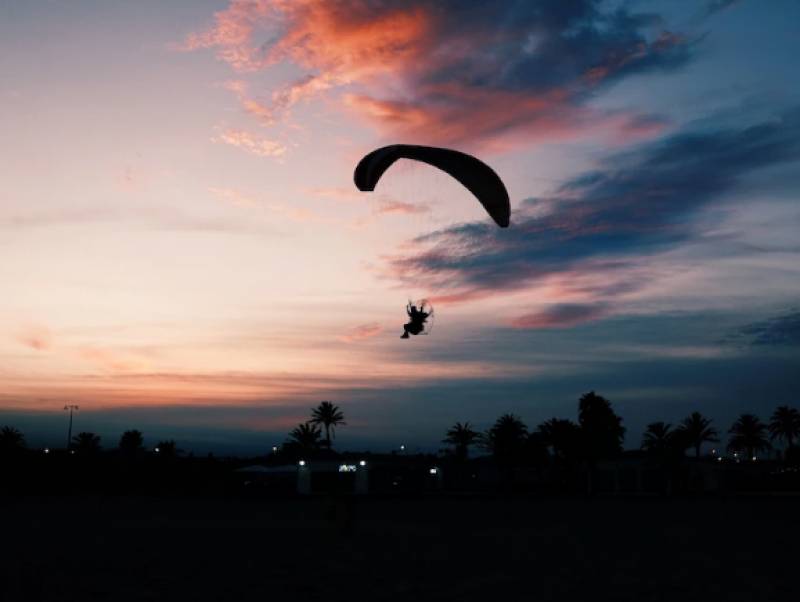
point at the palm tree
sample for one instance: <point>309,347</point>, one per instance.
<point>461,436</point>
<point>536,450</point>
<point>695,430</point>
<point>749,434</point>
<point>658,437</point>
<point>11,439</point>
<point>131,442</point>
<point>328,415</point>
<point>562,436</point>
<point>785,424</point>
<point>306,436</point>
<point>506,438</point>
<point>87,443</point>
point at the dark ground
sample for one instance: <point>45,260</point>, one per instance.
<point>142,549</point>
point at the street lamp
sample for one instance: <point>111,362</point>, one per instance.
<point>71,408</point>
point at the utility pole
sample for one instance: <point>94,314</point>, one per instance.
<point>71,408</point>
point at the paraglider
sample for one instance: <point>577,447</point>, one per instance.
<point>477,177</point>
<point>472,173</point>
<point>420,314</point>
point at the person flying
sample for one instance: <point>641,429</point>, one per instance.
<point>417,319</point>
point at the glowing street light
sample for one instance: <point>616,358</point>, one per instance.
<point>302,463</point>
<point>362,463</point>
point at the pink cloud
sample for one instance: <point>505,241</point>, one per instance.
<point>462,296</point>
<point>470,115</point>
<point>342,41</point>
<point>252,143</point>
<point>233,197</point>
<point>260,110</point>
<point>435,87</point>
<point>232,33</point>
<point>237,198</point>
<point>467,116</point>
<point>111,360</point>
<point>400,207</point>
<point>346,195</point>
<point>297,214</point>
<point>36,337</point>
<point>362,332</point>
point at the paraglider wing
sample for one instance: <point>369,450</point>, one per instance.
<point>474,174</point>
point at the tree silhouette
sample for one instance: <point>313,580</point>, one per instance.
<point>166,449</point>
<point>306,436</point>
<point>506,439</point>
<point>749,434</point>
<point>658,437</point>
<point>785,424</point>
<point>562,436</point>
<point>461,436</point>
<point>330,416</point>
<point>536,450</point>
<point>86,443</point>
<point>695,430</point>
<point>131,442</point>
<point>11,440</point>
<point>601,429</point>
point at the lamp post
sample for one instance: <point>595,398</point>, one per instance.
<point>71,408</point>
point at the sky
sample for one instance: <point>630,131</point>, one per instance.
<point>184,250</point>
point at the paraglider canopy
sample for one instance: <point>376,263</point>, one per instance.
<point>474,174</point>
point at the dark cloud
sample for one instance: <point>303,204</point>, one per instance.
<point>715,6</point>
<point>540,61</point>
<point>781,330</point>
<point>639,202</point>
<point>538,46</point>
<point>562,315</point>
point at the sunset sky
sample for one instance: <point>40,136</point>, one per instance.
<point>184,251</point>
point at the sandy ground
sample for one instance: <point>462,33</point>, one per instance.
<point>382,549</point>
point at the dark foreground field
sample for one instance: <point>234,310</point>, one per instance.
<point>442,549</point>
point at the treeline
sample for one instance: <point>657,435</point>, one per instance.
<point>131,444</point>
<point>599,434</point>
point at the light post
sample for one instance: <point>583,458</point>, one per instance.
<point>71,408</point>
